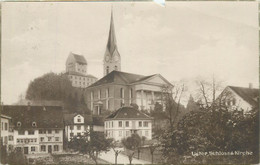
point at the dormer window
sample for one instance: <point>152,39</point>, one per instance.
<point>19,124</point>
<point>79,120</point>
<point>34,124</point>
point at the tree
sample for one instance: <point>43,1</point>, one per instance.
<point>50,86</point>
<point>212,127</point>
<point>131,144</point>
<point>91,143</point>
<point>152,149</point>
<point>3,154</point>
<point>114,147</point>
<point>17,157</point>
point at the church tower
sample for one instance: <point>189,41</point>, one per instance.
<point>112,59</point>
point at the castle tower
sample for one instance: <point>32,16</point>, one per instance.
<point>112,59</point>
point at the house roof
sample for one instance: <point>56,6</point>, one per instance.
<point>127,113</point>
<point>69,118</point>
<point>115,76</point>
<point>80,74</point>
<point>43,116</point>
<point>79,59</point>
<point>250,95</point>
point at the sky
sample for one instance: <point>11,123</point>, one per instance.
<point>180,41</point>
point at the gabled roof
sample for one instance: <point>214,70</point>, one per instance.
<point>43,116</point>
<point>116,76</point>
<point>79,74</point>
<point>128,113</point>
<point>250,95</point>
<point>79,58</point>
<point>69,118</point>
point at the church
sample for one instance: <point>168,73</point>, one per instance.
<point>117,89</point>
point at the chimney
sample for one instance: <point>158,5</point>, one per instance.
<point>250,85</point>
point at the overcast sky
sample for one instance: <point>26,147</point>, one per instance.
<point>181,41</point>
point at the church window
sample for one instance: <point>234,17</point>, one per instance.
<point>107,69</point>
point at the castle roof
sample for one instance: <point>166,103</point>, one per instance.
<point>42,116</point>
<point>128,113</point>
<point>79,58</point>
<point>250,95</point>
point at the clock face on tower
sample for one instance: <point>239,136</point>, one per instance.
<point>116,58</point>
<point>107,58</point>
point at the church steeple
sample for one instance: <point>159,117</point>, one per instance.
<point>112,59</point>
<point>111,43</point>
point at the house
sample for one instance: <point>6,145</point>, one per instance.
<point>126,121</point>
<point>76,124</point>
<point>240,98</point>
<point>119,88</point>
<point>76,69</point>
<point>5,125</point>
<point>36,129</point>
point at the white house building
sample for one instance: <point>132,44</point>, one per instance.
<point>76,124</point>
<point>35,129</point>
<point>5,124</point>
<point>126,121</point>
<point>240,98</point>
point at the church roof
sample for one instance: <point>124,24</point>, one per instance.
<point>115,76</point>
<point>111,43</point>
<point>79,59</point>
<point>250,95</point>
<point>43,116</point>
<point>128,113</point>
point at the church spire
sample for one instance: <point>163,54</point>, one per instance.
<point>111,43</point>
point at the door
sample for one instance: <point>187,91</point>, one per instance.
<point>49,149</point>
<point>25,150</point>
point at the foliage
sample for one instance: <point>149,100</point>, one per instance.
<point>132,142</point>
<point>3,154</point>
<point>219,130</point>
<point>91,143</point>
<point>17,157</point>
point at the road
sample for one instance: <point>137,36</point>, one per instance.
<point>121,159</point>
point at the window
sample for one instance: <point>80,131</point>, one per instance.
<point>2,125</point>
<point>78,134</point>
<point>107,69</point>
<point>31,132</point>
<point>99,94</point>
<point>71,127</point>
<point>42,139</point>
<point>49,131</point>
<point>111,124</point>
<point>6,126</point>
<point>115,67</point>
<point>78,127</point>
<point>121,92</point>
<point>43,148</point>
<point>131,93</point>
<point>49,139</point>
<point>11,138</point>
<point>234,101</point>
<point>146,133</point>
<point>127,133</point>
<point>120,133</point>
<point>79,119</point>
<point>19,124</point>
<point>57,131</point>
<point>33,149</point>
<point>56,148</point>
<point>57,139</point>
<point>127,123</point>
<point>34,124</point>
<point>21,132</point>
<point>120,124</point>
<point>145,124</point>
<point>140,123</point>
<point>71,134</point>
